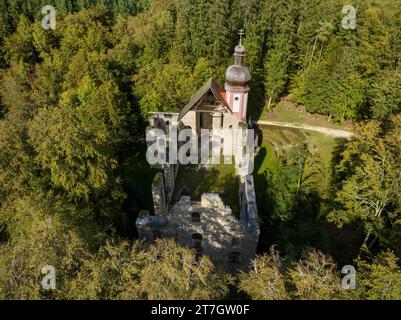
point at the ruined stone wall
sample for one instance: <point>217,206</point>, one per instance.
<point>248,210</point>
<point>170,174</point>
<point>163,187</point>
<point>160,204</point>
<point>151,228</point>
<point>162,120</point>
<point>224,239</point>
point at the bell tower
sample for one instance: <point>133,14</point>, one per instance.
<point>237,83</point>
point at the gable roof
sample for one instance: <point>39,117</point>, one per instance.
<point>210,85</point>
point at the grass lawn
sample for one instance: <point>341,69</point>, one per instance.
<point>264,160</point>
<point>278,141</point>
<point>323,144</point>
<point>193,181</point>
<point>287,112</point>
<point>137,177</point>
<point>281,138</point>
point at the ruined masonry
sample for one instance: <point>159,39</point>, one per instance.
<point>207,224</point>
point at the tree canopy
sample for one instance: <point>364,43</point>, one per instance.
<point>73,112</point>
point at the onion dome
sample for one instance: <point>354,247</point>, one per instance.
<point>238,74</point>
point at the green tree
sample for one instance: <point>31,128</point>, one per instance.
<point>315,277</point>
<point>371,187</point>
<point>87,129</point>
<point>379,279</point>
<point>265,280</point>
<point>40,234</point>
<point>386,95</point>
<point>158,272</point>
<point>312,277</point>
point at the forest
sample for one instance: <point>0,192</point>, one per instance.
<point>73,112</point>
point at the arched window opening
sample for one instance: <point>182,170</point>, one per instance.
<point>197,241</point>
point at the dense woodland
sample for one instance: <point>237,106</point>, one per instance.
<point>74,105</point>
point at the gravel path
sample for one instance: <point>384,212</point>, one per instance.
<point>327,131</point>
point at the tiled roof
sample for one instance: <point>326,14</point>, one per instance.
<point>210,85</point>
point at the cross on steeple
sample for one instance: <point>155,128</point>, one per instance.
<point>241,33</point>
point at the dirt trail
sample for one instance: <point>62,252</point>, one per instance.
<point>327,131</point>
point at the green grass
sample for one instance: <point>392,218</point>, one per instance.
<point>288,112</point>
<point>194,181</point>
<point>278,141</point>
<point>264,159</point>
<point>137,178</point>
<point>282,137</point>
<point>323,144</point>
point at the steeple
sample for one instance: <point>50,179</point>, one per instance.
<point>239,53</point>
<point>237,82</point>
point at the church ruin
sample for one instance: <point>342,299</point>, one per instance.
<point>203,206</point>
